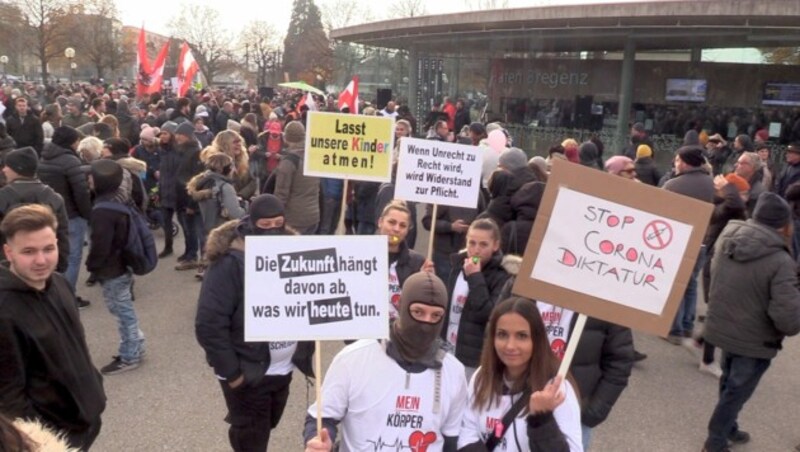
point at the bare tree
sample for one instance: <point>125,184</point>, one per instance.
<point>99,36</point>
<point>262,46</point>
<point>346,55</point>
<point>407,8</point>
<point>480,5</point>
<point>50,31</point>
<point>201,27</point>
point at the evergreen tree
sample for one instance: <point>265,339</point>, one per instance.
<point>307,50</point>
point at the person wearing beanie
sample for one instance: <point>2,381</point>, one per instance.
<point>254,376</point>
<point>589,155</point>
<point>754,303</point>
<point>75,117</point>
<point>750,168</point>
<point>477,132</point>
<point>646,169</point>
<point>187,150</point>
<point>791,172</point>
<point>61,168</point>
<point>148,151</point>
<point>23,187</point>
<point>299,193</point>
<point>512,159</point>
<point>118,149</point>
<point>109,234</point>
<point>693,180</point>
<point>619,165</point>
<point>638,136</point>
<point>166,177</point>
<point>367,378</point>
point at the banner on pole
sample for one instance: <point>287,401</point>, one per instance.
<point>435,172</point>
<point>345,146</point>
<point>316,288</point>
<point>612,248</point>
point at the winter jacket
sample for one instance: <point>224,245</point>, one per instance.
<point>754,300</point>
<point>109,235</point>
<point>408,262</point>
<point>695,183</point>
<point>205,137</point>
<point>756,188</point>
<point>448,241</point>
<point>647,172</point>
<point>33,191</point>
<point>189,166</point>
<point>47,372</point>
<point>524,207</point>
<point>298,192</point>
<point>75,121</point>
<point>484,290</point>
<point>138,171</point>
<point>26,131</point>
<point>790,175</point>
<point>219,324</point>
<point>216,197</point>
<point>60,168</point>
<point>503,185</point>
<point>602,363</point>
<point>43,436</point>
<point>170,162</point>
<point>729,207</point>
<point>153,161</point>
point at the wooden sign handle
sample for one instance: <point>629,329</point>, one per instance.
<point>340,228</point>
<point>433,231</point>
<point>574,338</point>
<point>318,379</point>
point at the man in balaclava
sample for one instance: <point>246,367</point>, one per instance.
<point>403,393</point>
<point>254,376</point>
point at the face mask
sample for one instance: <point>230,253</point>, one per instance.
<point>271,231</point>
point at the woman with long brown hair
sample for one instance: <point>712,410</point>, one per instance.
<point>515,397</point>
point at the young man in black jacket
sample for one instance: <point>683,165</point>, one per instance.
<point>106,262</point>
<point>255,377</point>
<point>24,188</point>
<point>47,372</point>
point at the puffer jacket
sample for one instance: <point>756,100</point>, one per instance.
<point>484,290</point>
<point>524,207</point>
<point>503,184</point>
<point>60,168</point>
<point>216,197</point>
<point>754,301</point>
<point>602,363</point>
<point>298,192</point>
<point>219,324</point>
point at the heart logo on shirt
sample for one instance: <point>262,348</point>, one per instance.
<point>419,441</point>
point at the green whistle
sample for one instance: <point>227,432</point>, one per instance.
<point>475,259</point>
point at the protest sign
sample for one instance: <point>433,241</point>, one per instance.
<point>316,288</point>
<point>612,248</point>
<point>345,146</point>
<point>435,172</point>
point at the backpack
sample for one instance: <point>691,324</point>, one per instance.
<point>269,185</point>
<point>140,248</point>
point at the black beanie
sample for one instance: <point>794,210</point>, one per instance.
<point>772,211</point>
<point>117,146</point>
<point>185,129</point>
<point>692,155</point>
<point>265,206</point>
<point>23,161</point>
<point>65,136</point>
<point>107,176</point>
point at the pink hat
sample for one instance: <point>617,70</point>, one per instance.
<point>617,163</point>
<point>148,133</point>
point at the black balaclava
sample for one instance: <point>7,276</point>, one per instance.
<point>413,341</point>
<point>265,206</point>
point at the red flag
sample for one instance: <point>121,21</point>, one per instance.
<point>142,66</point>
<point>187,68</point>
<point>307,100</point>
<point>157,74</point>
<point>349,97</point>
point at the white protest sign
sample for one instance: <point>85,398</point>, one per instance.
<point>617,253</point>
<point>316,288</point>
<point>435,172</point>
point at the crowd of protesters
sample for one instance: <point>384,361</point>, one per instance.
<point>476,363</point>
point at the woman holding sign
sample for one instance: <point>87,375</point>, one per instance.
<point>515,398</point>
<point>403,261</point>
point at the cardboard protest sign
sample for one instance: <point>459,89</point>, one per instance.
<point>344,146</point>
<point>435,172</point>
<point>316,288</point>
<point>612,248</point>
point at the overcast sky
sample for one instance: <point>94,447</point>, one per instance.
<point>156,14</point>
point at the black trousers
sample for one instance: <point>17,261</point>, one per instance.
<point>84,438</point>
<point>166,223</point>
<point>254,410</point>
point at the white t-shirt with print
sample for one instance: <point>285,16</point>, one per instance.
<point>280,358</point>
<point>557,321</point>
<point>383,407</point>
<point>457,302</point>
<point>478,425</point>
<point>394,291</point>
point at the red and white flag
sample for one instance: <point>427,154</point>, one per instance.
<point>148,80</point>
<point>157,74</point>
<point>308,100</point>
<point>349,97</point>
<point>187,68</point>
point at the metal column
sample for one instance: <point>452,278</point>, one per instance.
<point>625,95</point>
<point>413,80</point>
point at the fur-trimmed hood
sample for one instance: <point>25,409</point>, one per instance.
<point>222,239</point>
<point>134,165</point>
<point>44,439</point>
<point>511,264</point>
<point>201,186</point>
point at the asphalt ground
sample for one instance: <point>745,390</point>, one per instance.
<point>173,401</point>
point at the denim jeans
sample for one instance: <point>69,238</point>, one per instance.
<point>117,293</point>
<point>365,228</point>
<point>586,433</point>
<point>77,235</point>
<point>329,217</point>
<point>684,318</point>
<point>740,376</point>
<point>193,234</point>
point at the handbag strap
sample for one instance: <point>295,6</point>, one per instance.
<point>512,412</point>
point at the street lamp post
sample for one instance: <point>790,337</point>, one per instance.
<point>69,52</point>
<point>4,62</point>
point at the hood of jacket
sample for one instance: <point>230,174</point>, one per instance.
<point>9,282</point>
<point>201,186</point>
<point>525,202</point>
<point>511,264</point>
<point>131,164</point>
<point>745,241</point>
<point>45,438</point>
<point>52,151</point>
<point>222,239</point>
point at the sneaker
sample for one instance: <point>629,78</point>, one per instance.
<point>711,369</point>
<point>117,366</point>
<point>165,253</point>
<point>82,304</point>
<point>638,356</point>
<point>739,437</point>
<point>187,265</point>
<point>674,340</point>
<point>692,345</point>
